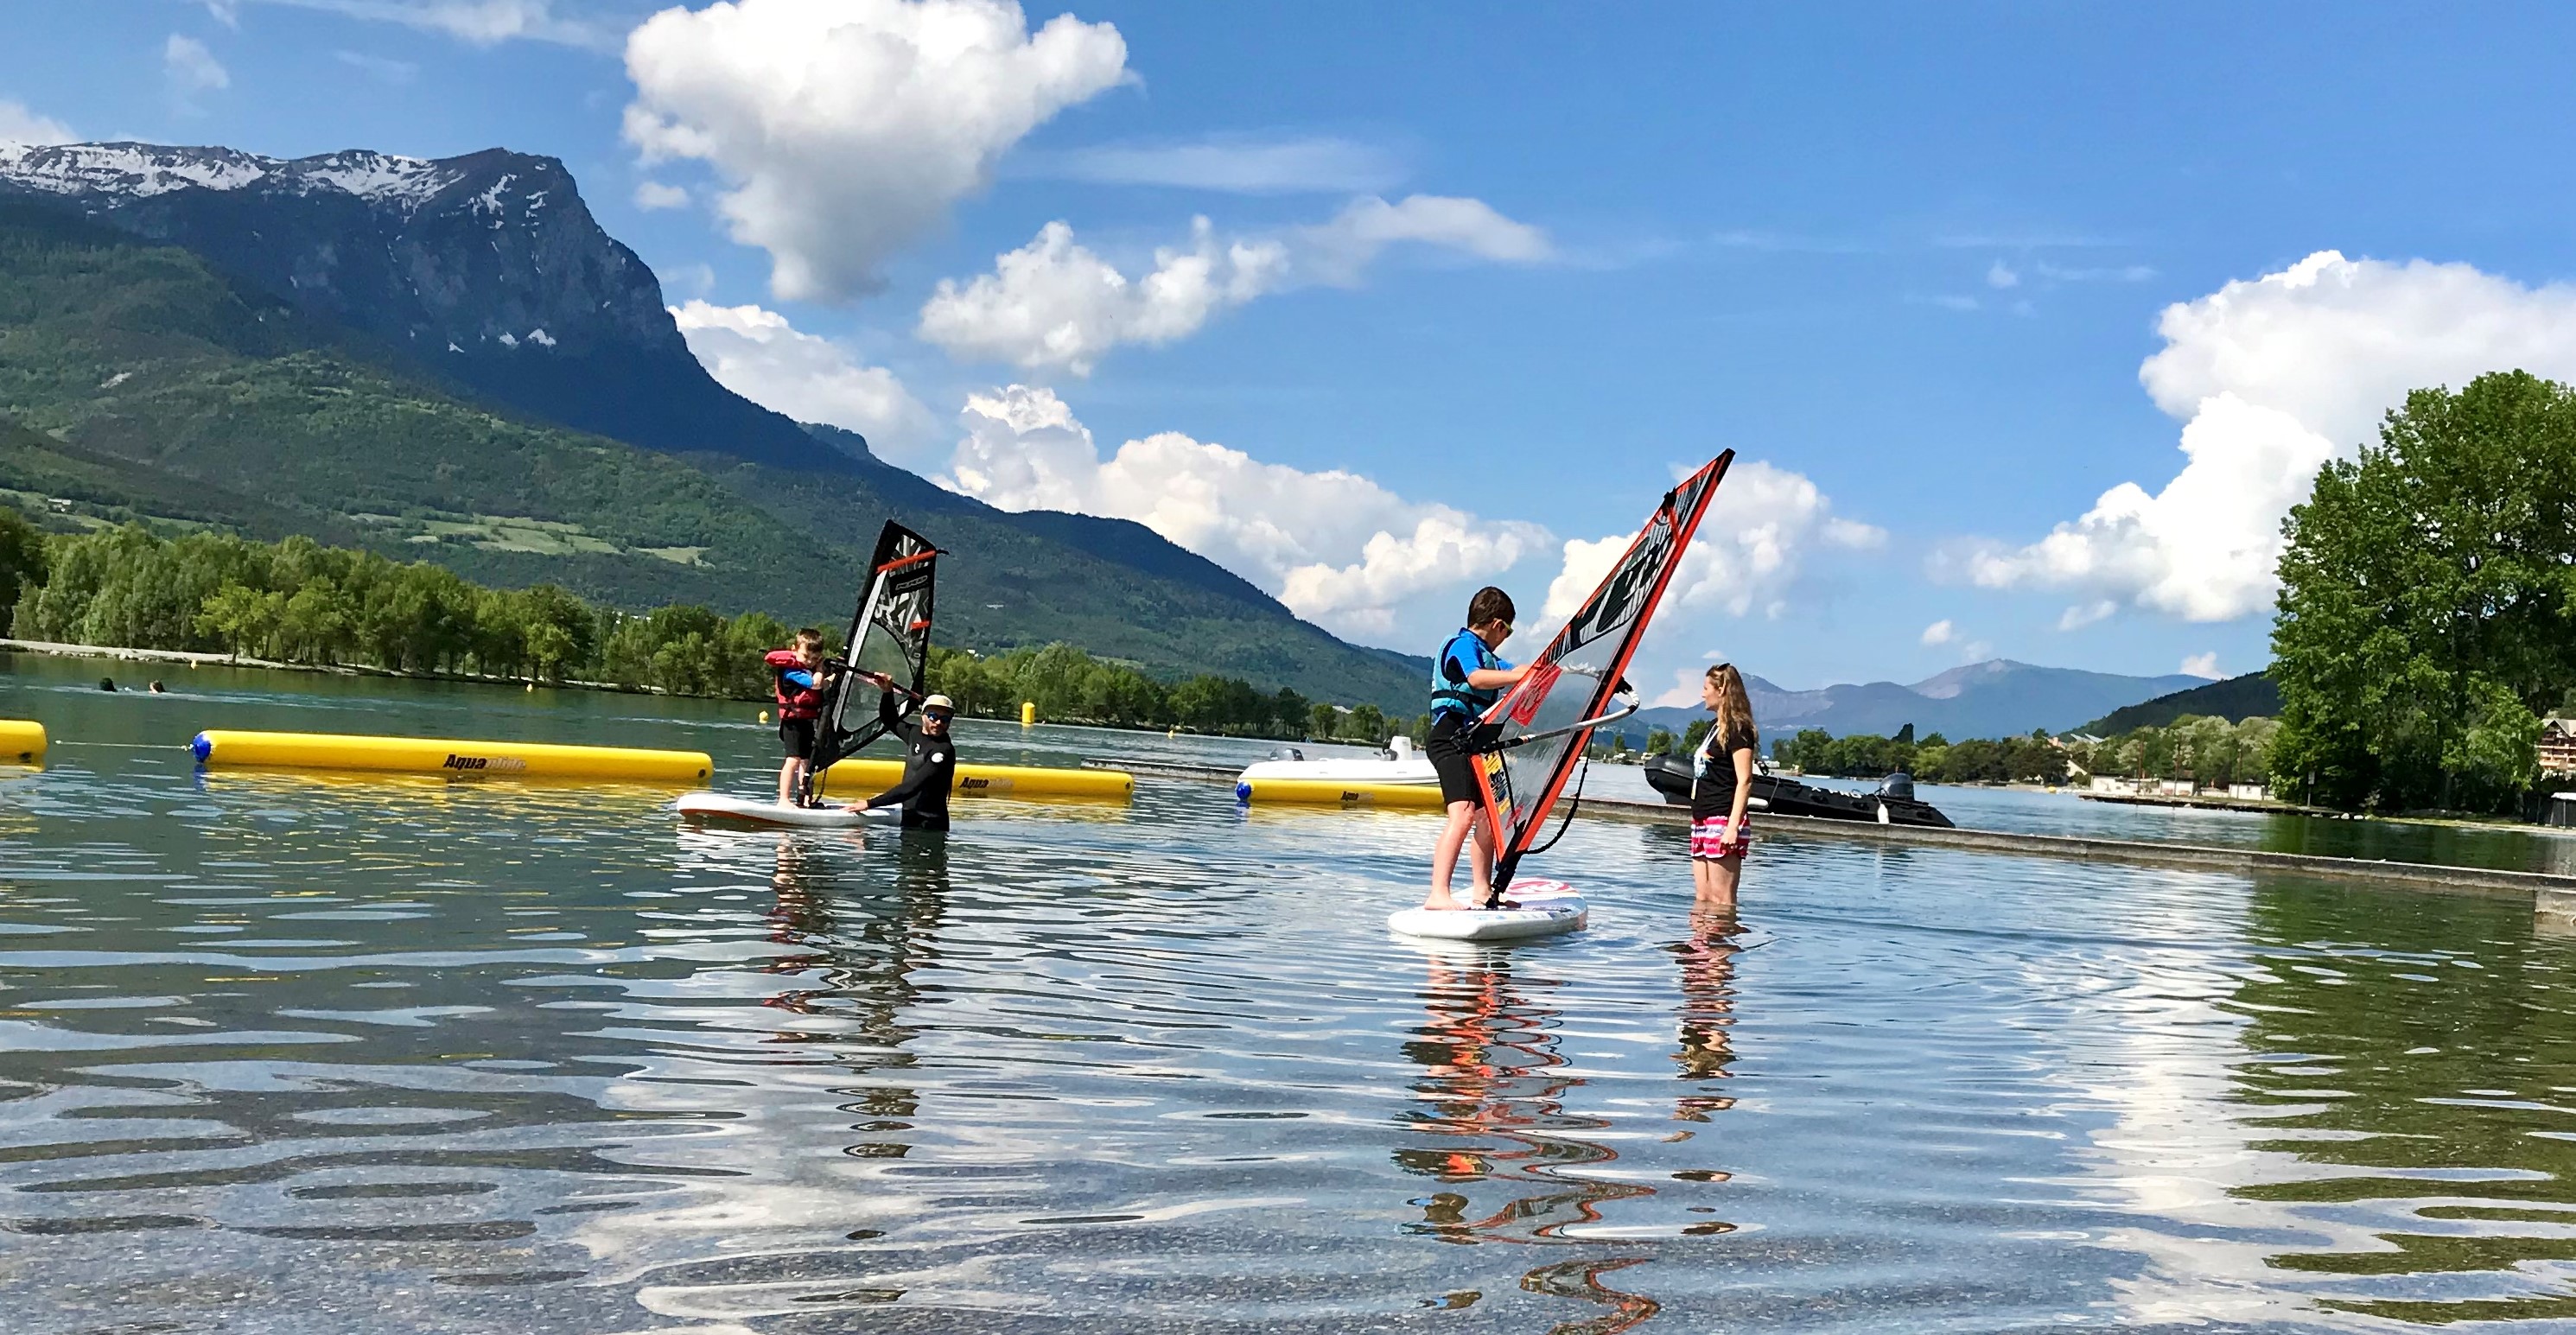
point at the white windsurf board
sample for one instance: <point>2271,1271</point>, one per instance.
<point>766,811</point>
<point>1537,908</point>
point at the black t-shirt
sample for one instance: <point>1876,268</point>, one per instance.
<point>929,766</point>
<point>1713,782</point>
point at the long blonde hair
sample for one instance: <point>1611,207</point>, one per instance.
<point>1734,727</point>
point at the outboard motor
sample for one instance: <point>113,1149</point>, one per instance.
<point>1899,785</point>
<point>1400,749</point>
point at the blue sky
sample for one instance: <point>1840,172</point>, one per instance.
<point>1511,266</point>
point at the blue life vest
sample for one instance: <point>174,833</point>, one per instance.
<point>1451,694</point>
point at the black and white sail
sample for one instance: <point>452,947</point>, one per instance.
<point>889,638</point>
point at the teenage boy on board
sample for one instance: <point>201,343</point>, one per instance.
<point>1466,680</point>
<point>803,687</point>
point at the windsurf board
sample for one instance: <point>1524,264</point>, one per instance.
<point>1536,908</point>
<point>765,811</point>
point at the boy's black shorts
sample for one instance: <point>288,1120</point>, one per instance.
<point>1446,749</point>
<point>797,735</point>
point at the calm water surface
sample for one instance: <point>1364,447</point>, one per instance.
<point>288,1055</point>
<point>2027,811</point>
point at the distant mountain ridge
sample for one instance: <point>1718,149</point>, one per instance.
<point>450,359</point>
<point>1996,698</point>
<point>487,268</point>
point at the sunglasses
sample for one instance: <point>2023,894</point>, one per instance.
<point>940,714</point>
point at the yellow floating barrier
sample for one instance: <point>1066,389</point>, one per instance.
<point>1319,793</point>
<point>220,748</point>
<point>22,742</point>
<point>863,777</point>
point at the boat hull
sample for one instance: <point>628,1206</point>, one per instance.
<point>1788,797</point>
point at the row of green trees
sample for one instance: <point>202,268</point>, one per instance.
<point>2209,751</point>
<point>1934,759</point>
<point>1069,685</point>
<point>297,601</point>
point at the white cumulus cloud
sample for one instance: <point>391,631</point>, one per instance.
<point>1746,554</point>
<point>1940,632</point>
<point>1340,250</point>
<point>18,125</point>
<point>844,129</point>
<point>480,22</point>
<point>1334,546</point>
<point>657,195</point>
<point>2202,665</point>
<point>1747,557</point>
<point>756,353</point>
<point>2271,378</point>
<point>189,69</point>
<point>1054,303</point>
<point>2085,614</point>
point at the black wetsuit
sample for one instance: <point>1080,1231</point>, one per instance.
<point>929,766</point>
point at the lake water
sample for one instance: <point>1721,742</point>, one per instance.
<point>293,1055</point>
<point>2030,811</point>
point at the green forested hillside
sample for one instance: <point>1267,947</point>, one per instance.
<point>2235,700</point>
<point>150,384</point>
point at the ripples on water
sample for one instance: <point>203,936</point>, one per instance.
<point>292,1055</point>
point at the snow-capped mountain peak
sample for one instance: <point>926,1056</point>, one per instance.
<point>142,171</point>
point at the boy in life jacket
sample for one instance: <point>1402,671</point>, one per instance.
<point>803,687</point>
<point>1466,680</point>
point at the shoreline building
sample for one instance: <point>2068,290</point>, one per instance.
<point>2558,746</point>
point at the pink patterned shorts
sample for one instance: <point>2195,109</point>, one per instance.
<point>1709,839</point>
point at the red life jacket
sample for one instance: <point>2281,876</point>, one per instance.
<point>794,701</point>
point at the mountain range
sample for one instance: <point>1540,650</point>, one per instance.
<point>451,360</point>
<point>1996,698</point>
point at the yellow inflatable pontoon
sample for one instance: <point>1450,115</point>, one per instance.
<point>862,777</point>
<point>225,749</point>
<point>22,742</point>
<point>1321,793</point>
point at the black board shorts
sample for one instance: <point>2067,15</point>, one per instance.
<point>1446,749</point>
<point>797,736</point>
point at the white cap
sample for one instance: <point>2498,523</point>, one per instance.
<point>939,702</point>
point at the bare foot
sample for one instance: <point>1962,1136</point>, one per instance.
<point>1442,900</point>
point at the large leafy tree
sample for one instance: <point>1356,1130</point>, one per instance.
<point>2428,602</point>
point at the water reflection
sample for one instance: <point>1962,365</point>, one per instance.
<point>858,971</point>
<point>2426,1094</point>
<point>1507,1154</point>
<point>1707,958</point>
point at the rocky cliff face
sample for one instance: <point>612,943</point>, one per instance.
<point>486,269</point>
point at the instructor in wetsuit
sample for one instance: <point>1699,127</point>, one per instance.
<point>929,763</point>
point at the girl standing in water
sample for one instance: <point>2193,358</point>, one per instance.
<point>1721,784</point>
